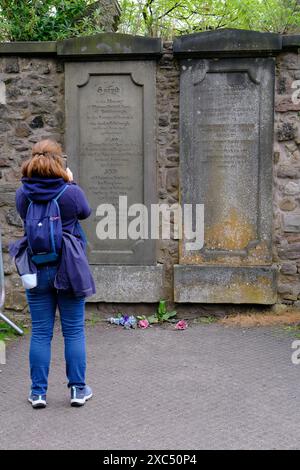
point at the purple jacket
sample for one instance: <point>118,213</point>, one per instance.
<point>73,271</point>
<point>73,203</point>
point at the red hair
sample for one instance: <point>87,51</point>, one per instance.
<point>46,161</point>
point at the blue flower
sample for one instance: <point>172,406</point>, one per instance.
<point>132,320</point>
<point>114,320</point>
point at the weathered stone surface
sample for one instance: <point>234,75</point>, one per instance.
<point>24,79</point>
<point>37,122</point>
<point>289,63</point>
<point>128,283</point>
<point>291,188</point>
<point>11,65</point>
<point>288,204</point>
<point>289,251</point>
<point>222,284</point>
<point>28,48</point>
<point>291,222</point>
<point>13,218</point>
<point>15,298</point>
<point>285,103</point>
<point>168,151</point>
<point>226,157</point>
<point>4,162</point>
<point>286,132</point>
<point>291,146</point>
<point>111,149</point>
<point>23,130</point>
<point>289,290</point>
<point>297,136</point>
<point>291,41</point>
<point>110,45</point>
<point>41,79</point>
<point>288,171</point>
<point>227,41</point>
<point>172,179</point>
<point>288,268</point>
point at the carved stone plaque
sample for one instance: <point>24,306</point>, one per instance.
<point>110,144</point>
<point>226,157</point>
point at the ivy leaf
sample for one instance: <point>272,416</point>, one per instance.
<point>152,319</point>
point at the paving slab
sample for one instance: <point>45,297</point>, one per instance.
<point>208,387</point>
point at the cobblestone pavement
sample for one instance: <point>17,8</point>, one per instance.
<point>208,387</point>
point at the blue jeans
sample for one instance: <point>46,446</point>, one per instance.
<point>43,301</point>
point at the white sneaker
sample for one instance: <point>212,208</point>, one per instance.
<point>37,401</point>
<point>79,395</point>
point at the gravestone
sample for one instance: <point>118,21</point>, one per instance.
<point>226,138</point>
<point>110,142</point>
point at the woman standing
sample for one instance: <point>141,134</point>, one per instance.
<point>47,186</point>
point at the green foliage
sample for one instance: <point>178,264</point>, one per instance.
<point>294,329</point>
<point>162,313</point>
<point>205,320</point>
<point>152,319</point>
<point>7,332</point>
<point>48,20</point>
<point>167,18</point>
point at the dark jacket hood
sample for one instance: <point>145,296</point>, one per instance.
<point>42,189</point>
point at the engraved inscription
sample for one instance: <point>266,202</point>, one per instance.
<point>226,124</point>
<point>223,134</point>
<point>225,155</point>
<point>111,147</point>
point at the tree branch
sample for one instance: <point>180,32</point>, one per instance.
<point>177,4</point>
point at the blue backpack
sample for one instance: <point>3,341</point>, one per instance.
<point>43,228</point>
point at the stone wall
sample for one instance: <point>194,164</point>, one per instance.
<point>287,178</point>
<point>32,107</point>
<point>168,151</point>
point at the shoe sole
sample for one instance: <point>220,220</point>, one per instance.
<point>37,404</point>
<point>77,402</point>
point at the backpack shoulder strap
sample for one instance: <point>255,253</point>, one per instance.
<point>61,192</point>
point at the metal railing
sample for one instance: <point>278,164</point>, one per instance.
<point>2,295</point>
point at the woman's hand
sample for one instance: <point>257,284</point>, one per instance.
<point>70,174</point>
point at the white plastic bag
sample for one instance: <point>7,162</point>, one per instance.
<point>29,281</point>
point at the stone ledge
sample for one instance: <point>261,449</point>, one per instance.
<point>224,284</point>
<point>110,46</point>
<point>291,41</point>
<point>228,42</point>
<point>28,48</point>
<point>225,41</point>
<point>128,283</point>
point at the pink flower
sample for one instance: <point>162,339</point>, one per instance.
<point>181,325</point>
<point>143,324</point>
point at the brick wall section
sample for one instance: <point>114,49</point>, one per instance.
<point>34,109</point>
<point>287,178</point>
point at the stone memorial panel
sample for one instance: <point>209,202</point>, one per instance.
<point>110,142</point>
<point>226,149</point>
<point>226,157</point>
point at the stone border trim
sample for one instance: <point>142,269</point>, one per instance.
<point>233,42</point>
<point>110,46</point>
<point>229,42</point>
<point>34,48</point>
